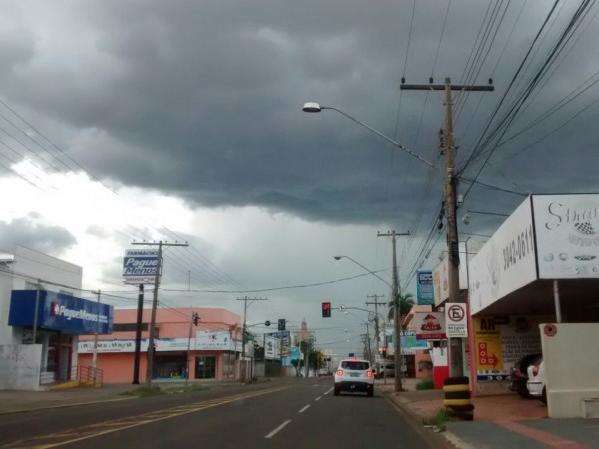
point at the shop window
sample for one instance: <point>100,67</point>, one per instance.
<point>205,367</point>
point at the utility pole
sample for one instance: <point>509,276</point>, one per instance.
<point>377,335</point>
<point>138,330</point>
<point>396,290</point>
<point>160,244</point>
<point>450,200</point>
<point>245,300</point>
<point>95,354</point>
<point>194,320</point>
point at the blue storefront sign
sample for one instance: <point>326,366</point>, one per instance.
<point>59,312</point>
<point>424,287</point>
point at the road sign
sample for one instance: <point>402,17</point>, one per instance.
<point>456,320</point>
<point>281,324</point>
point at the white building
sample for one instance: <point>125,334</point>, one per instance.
<point>31,281</point>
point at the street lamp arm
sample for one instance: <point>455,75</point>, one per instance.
<point>380,134</point>
<point>366,268</point>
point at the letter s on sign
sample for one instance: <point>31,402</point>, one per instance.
<point>551,209</point>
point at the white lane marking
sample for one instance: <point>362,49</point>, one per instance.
<point>278,429</point>
<point>318,398</point>
<point>304,408</point>
<point>329,390</point>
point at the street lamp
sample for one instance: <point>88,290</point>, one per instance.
<point>312,107</point>
<point>364,268</point>
<point>467,217</point>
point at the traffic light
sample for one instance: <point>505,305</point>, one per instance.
<point>195,319</point>
<point>326,310</point>
<point>281,325</point>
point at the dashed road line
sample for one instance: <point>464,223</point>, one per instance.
<point>278,429</point>
<point>318,398</point>
<point>304,408</point>
<point>329,390</point>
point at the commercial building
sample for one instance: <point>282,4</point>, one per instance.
<point>41,318</point>
<point>206,351</point>
<point>539,270</point>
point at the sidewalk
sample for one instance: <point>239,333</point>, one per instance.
<point>500,421</point>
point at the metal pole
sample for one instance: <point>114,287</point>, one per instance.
<point>95,355</point>
<point>556,300</point>
<point>397,318</point>
<point>189,347</point>
<point>140,310</point>
<point>150,367</point>
<point>37,308</point>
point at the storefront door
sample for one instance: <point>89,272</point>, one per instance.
<point>205,367</point>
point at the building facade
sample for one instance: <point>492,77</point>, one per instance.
<point>206,351</point>
<point>42,315</point>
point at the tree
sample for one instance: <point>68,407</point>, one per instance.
<point>406,301</point>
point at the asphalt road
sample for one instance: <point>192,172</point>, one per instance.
<point>292,413</point>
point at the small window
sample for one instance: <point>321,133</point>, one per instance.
<point>359,366</point>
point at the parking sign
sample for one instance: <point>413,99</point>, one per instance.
<point>456,320</point>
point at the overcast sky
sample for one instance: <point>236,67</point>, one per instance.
<point>188,115</point>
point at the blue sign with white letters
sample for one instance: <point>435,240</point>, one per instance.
<point>60,312</point>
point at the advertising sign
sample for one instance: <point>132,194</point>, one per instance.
<point>59,311</point>
<point>424,287</point>
<point>204,341</point>
<point>410,344</point>
<point>489,354</point>
<point>429,325</point>
<point>506,262</point>
<point>271,347</point>
<point>456,320</point>
<point>140,266</point>
<point>284,338</point>
<point>567,232</point>
<point>441,276</point>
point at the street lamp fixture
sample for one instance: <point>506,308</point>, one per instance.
<point>364,268</point>
<point>313,107</point>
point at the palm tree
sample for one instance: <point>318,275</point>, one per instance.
<point>406,301</point>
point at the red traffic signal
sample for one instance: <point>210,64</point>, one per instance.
<point>326,310</point>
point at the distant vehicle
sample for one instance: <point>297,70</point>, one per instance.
<point>354,375</point>
<point>536,381</point>
<point>323,372</point>
<point>519,374</point>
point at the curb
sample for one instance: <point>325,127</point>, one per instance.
<point>73,404</point>
<point>434,440</point>
<point>456,441</point>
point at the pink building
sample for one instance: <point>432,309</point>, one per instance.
<point>210,353</point>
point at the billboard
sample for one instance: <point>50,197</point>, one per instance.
<point>428,325</point>
<point>567,234</point>
<point>441,276</point>
<point>424,287</point>
<point>272,348</point>
<point>506,262</point>
<point>140,266</point>
<point>410,344</point>
<point>60,312</point>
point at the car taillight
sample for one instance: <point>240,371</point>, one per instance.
<point>340,372</point>
<point>535,370</point>
<point>369,373</point>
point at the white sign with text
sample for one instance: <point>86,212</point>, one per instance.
<point>456,320</point>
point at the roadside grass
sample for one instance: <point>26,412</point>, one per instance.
<point>426,384</point>
<point>439,420</point>
<point>144,392</point>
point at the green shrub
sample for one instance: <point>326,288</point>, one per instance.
<point>426,384</point>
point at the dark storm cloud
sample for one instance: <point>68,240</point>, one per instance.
<point>203,99</point>
<point>26,232</point>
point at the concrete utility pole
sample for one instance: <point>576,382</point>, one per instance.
<point>396,290</point>
<point>245,300</point>
<point>376,303</point>
<point>450,194</point>
<point>138,330</point>
<point>95,354</point>
<point>194,320</point>
<point>160,244</point>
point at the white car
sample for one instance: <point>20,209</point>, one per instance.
<point>354,375</point>
<point>536,381</point>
